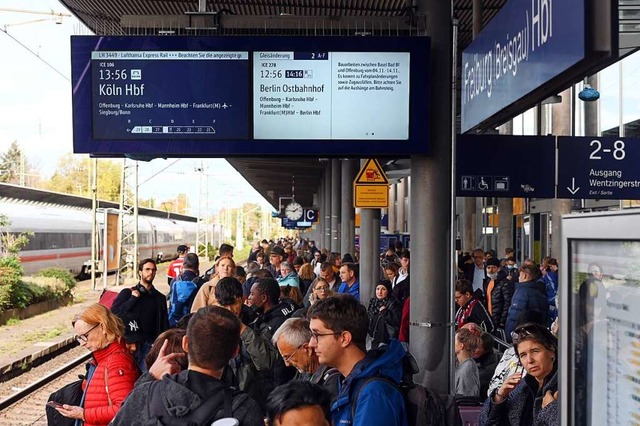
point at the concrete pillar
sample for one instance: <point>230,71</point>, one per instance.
<point>562,116</point>
<point>391,210</point>
<point>367,253</point>
<point>347,211</point>
<point>401,193</point>
<point>505,208</point>
<point>326,240</point>
<point>431,315</point>
<point>592,110</point>
<point>336,171</point>
<point>321,209</point>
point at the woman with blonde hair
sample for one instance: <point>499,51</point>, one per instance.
<point>112,371</point>
<point>306,276</point>
<point>224,267</point>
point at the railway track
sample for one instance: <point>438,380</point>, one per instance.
<point>23,398</point>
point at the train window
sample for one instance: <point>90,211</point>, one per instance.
<point>57,240</point>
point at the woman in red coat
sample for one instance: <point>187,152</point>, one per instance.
<point>113,371</point>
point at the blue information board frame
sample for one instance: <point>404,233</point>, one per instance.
<point>603,168</point>
<point>525,46</point>
<point>84,141</point>
<point>505,166</point>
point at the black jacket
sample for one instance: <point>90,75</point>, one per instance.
<point>150,309</point>
<point>384,325</point>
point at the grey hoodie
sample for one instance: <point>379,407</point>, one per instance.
<point>181,396</point>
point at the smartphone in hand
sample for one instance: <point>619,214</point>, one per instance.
<point>54,404</point>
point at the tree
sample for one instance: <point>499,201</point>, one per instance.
<point>12,242</point>
<point>73,176</point>
<point>11,163</point>
<point>180,204</point>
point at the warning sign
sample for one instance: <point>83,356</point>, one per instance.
<point>371,187</point>
<point>371,196</point>
<point>371,174</point>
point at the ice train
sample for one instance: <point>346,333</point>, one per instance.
<point>61,226</point>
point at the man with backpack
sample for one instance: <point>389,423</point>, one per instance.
<point>369,394</point>
<point>195,396</point>
<point>184,289</point>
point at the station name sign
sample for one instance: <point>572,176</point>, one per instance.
<point>238,96</point>
<point>525,46</point>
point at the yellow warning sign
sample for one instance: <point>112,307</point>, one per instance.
<point>371,174</point>
<point>371,196</point>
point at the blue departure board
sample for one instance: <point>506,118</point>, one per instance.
<point>179,96</point>
<point>169,95</point>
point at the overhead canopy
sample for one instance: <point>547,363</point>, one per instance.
<point>271,177</point>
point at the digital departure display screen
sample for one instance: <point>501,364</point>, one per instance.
<point>136,97</point>
<point>336,95</point>
<point>239,96</point>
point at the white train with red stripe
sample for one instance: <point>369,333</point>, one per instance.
<point>61,226</point>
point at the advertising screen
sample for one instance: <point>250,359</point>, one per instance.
<point>240,96</point>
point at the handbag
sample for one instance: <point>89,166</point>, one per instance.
<point>68,394</point>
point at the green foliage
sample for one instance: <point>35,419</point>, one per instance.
<point>13,321</point>
<point>73,176</point>
<point>51,283</point>
<point>12,242</point>
<point>212,251</point>
<point>64,276</point>
<point>10,163</point>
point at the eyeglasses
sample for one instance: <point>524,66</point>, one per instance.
<point>84,338</point>
<point>315,336</point>
<point>288,357</point>
<point>323,288</point>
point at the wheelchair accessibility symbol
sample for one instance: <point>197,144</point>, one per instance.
<point>485,183</point>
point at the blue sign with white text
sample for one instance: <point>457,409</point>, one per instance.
<point>598,168</point>
<point>505,166</point>
<point>527,44</point>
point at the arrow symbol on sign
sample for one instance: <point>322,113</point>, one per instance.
<point>573,188</point>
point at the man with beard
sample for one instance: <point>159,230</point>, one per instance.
<point>145,304</point>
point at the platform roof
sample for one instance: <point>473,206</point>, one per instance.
<point>272,177</point>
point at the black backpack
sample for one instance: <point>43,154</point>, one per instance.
<point>220,402</point>
<point>423,406</point>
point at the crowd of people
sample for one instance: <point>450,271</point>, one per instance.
<point>286,340</point>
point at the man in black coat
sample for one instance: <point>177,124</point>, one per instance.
<point>147,306</point>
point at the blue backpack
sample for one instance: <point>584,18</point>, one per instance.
<point>181,298</point>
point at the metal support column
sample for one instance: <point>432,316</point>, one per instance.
<point>368,255</point>
<point>336,171</point>
<point>347,211</point>
<point>319,235</point>
<point>505,208</point>
<point>562,116</point>
<point>326,238</point>
<point>431,319</point>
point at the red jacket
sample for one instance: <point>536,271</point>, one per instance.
<point>403,335</point>
<point>114,376</point>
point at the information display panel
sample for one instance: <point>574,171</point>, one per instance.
<point>240,96</point>
<point>134,96</point>
<point>337,95</point>
<point>599,324</point>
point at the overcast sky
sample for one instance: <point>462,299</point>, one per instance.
<point>35,108</point>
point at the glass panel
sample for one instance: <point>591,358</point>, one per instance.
<point>605,294</point>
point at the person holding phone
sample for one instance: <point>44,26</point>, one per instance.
<point>532,400</point>
<point>112,373</point>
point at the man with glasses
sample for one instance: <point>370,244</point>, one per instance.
<point>292,340</point>
<point>338,335</point>
<point>146,304</point>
